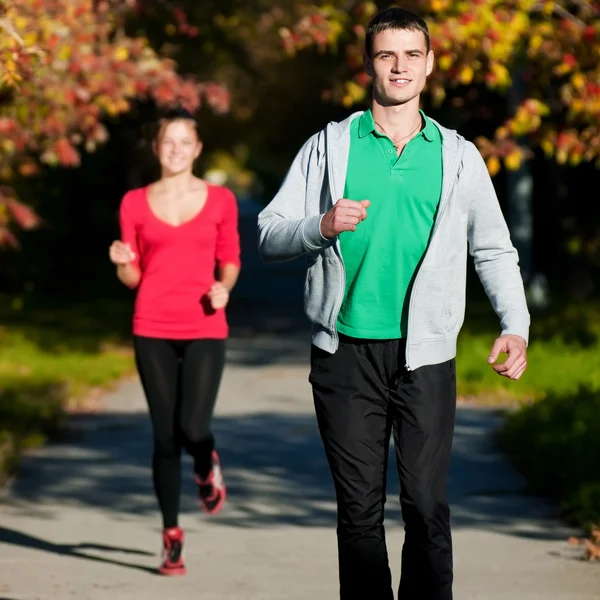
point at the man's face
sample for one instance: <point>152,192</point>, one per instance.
<point>399,66</point>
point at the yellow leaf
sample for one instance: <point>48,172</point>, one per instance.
<point>370,8</point>
<point>111,108</point>
<point>445,62</point>
<point>439,5</point>
<point>536,41</point>
<point>547,147</point>
<point>121,53</point>
<point>502,74</point>
<point>578,80</point>
<point>513,160</point>
<point>170,29</point>
<point>335,30</point>
<point>562,157</point>
<point>577,105</point>
<point>502,133</point>
<point>466,75</point>
<point>6,172</point>
<point>30,38</point>
<point>8,146</point>
<point>64,53</point>
<point>493,165</point>
<point>575,159</point>
<point>438,95</point>
<point>355,92</point>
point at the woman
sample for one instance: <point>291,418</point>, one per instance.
<point>176,235</point>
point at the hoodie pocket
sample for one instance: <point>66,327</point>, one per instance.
<point>321,290</point>
<point>437,306</point>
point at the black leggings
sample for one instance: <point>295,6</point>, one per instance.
<point>180,379</point>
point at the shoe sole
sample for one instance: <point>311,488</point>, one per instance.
<point>172,572</point>
<point>217,507</point>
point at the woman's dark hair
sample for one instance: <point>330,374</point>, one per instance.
<point>174,114</point>
<point>394,18</point>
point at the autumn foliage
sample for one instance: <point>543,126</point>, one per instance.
<point>65,65</point>
<point>551,50</point>
<point>591,544</point>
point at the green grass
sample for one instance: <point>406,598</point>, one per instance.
<point>563,355</point>
<point>52,355</point>
<point>553,435</point>
<point>555,443</point>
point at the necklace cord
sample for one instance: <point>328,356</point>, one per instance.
<point>396,142</point>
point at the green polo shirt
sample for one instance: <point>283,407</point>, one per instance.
<point>382,256</point>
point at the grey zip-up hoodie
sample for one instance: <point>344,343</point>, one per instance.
<point>468,212</point>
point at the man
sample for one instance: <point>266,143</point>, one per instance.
<point>385,205</point>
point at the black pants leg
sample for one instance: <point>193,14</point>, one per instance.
<point>158,365</point>
<point>181,380</point>
<point>360,393</point>
<point>201,369</point>
<point>424,407</point>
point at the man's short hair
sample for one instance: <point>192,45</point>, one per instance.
<point>394,18</point>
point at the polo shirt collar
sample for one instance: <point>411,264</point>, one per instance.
<point>366,125</point>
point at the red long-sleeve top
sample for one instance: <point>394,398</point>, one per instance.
<point>178,265</point>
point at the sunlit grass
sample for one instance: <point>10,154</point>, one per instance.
<point>563,355</point>
<point>50,360</point>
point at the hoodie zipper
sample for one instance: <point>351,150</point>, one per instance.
<point>332,191</point>
<point>443,204</point>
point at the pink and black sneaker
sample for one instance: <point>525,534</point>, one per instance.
<point>172,557</point>
<point>211,490</point>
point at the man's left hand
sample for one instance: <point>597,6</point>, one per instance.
<point>516,362</point>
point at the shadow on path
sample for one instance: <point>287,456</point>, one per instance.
<point>16,538</point>
<point>276,474</point>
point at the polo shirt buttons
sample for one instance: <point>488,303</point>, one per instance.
<point>389,151</point>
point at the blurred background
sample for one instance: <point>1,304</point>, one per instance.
<point>83,81</point>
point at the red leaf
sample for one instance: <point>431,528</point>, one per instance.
<point>589,33</point>
<point>67,155</point>
<point>24,215</point>
<point>7,239</point>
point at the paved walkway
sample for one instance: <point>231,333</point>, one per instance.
<point>81,520</point>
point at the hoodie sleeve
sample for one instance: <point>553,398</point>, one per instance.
<point>285,231</point>
<point>496,259</point>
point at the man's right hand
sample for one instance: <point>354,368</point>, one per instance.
<point>345,215</point>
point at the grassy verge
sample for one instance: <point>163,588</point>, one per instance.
<point>556,444</point>
<point>563,356</point>
<point>553,436</point>
<point>52,356</point>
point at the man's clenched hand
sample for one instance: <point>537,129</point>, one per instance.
<point>345,215</point>
<point>516,362</point>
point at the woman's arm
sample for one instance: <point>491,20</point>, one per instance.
<point>124,258</point>
<point>227,252</point>
<point>228,275</point>
<point>129,275</point>
<point>219,292</point>
<point>125,253</point>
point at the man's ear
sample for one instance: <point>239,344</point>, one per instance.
<point>430,62</point>
<point>368,63</point>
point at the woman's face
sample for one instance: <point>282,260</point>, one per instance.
<point>178,146</point>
